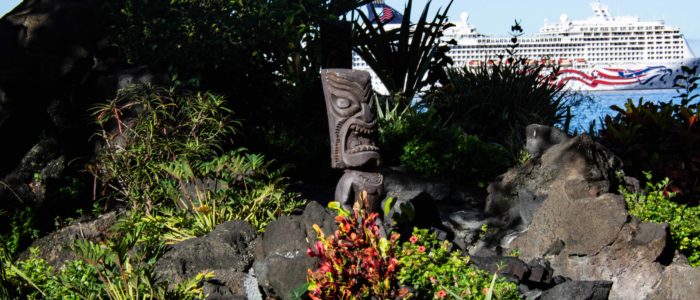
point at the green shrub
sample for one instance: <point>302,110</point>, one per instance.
<point>75,280</point>
<point>428,266</point>
<point>263,55</point>
<point>662,138</point>
<point>357,263</point>
<point>162,157</point>
<point>233,186</point>
<point>497,101</point>
<point>427,146</point>
<point>654,204</point>
<point>121,267</point>
<point>21,232</point>
<point>145,127</point>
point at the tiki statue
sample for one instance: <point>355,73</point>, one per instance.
<point>351,122</point>
<point>352,126</point>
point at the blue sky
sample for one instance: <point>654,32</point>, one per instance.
<point>7,5</point>
<point>495,17</point>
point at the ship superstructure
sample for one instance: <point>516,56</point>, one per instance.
<point>600,53</point>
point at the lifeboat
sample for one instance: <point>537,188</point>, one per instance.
<point>563,62</point>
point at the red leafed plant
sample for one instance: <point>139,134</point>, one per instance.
<point>356,262</point>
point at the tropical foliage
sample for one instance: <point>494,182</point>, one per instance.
<point>654,204</point>
<point>499,98</point>
<point>264,56</point>
<point>146,127</point>
<point>408,58</point>
<point>430,147</point>
<point>160,157</point>
<point>120,268</point>
<point>358,263</point>
<point>434,271</point>
<point>659,137</point>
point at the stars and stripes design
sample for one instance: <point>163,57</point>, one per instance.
<point>378,12</point>
<point>387,14</point>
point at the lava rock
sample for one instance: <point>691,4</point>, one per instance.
<point>586,167</point>
<point>55,248</point>
<point>561,210</point>
<point>510,267</point>
<point>281,262</point>
<point>678,282</point>
<point>579,290</point>
<point>227,251</point>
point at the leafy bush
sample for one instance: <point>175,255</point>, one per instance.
<point>429,147</point>
<point>21,231</point>
<point>428,266</point>
<point>654,204</point>
<point>145,127</point>
<point>255,42</point>
<point>163,157</point>
<point>233,186</point>
<point>355,262</point>
<point>42,281</point>
<point>121,268</point>
<point>662,138</point>
<point>497,101</point>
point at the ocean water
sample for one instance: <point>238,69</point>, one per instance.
<point>599,102</point>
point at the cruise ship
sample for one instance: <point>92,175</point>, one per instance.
<point>599,53</point>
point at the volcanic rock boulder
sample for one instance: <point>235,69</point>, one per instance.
<point>677,282</point>
<point>561,205</point>
<point>437,204</point>
<point>56,248</point>
<point>47,47</point>
<point>56,62</point>
<point>227,251</point>
<point>579,290</point>
<point>586,167</point>
<point>281,262</point>
<point>593,238</point>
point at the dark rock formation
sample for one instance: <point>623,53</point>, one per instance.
<point>55,248</point>
<point>587,168</point>
<point>47,48</point>
<point>677,282</point>
<point>579,290</point>
<point>569,218</point>
<point>281,262</point>
<point>227,251</point>
<point>56,62</point>
<point>438,204</point>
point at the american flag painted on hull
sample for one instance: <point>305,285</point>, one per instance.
<point>655,76</point>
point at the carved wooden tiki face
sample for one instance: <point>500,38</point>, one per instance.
<point>351,120</point>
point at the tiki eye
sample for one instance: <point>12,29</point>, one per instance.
<point>342,103</point>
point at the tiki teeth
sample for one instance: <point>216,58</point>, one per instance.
<point>363,148</point>
<point>357,129</point>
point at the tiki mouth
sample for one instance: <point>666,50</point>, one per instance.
<point>360,138</point>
